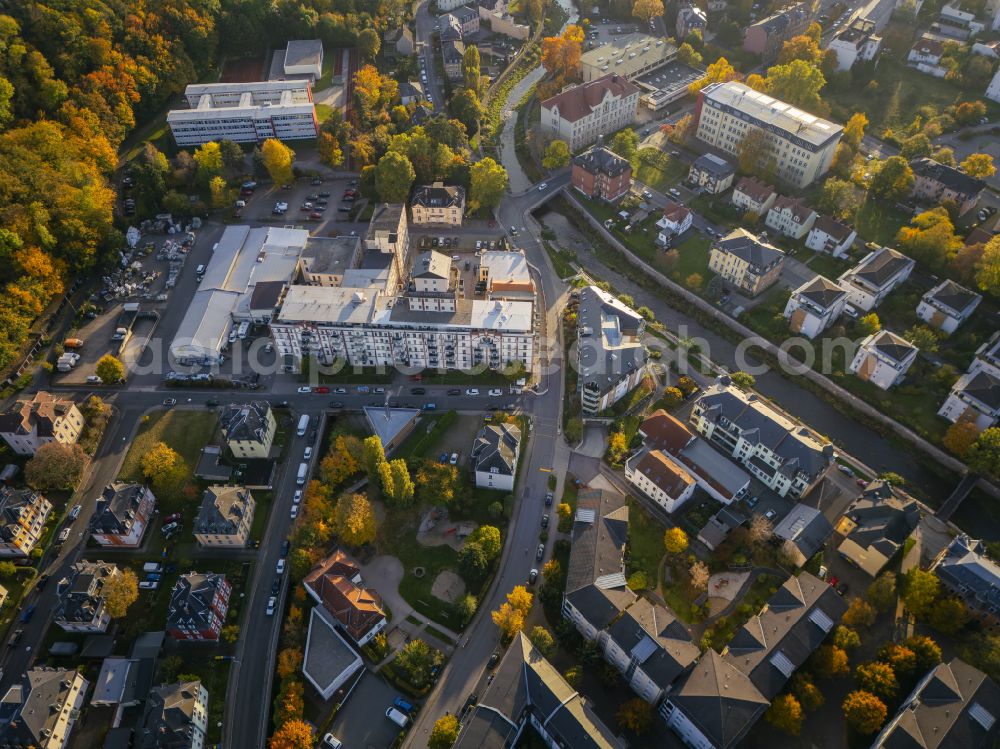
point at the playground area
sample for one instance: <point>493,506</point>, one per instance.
<point>723,587</point>
<point>437,529</point>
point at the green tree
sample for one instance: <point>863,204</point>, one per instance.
<point>839,198</point>
<point>687,55</point>
<point>864,711</point>
<point>444,733</point>
<point>277,159</point>
<point>466,108</point>
<point>55,466</point>
<point>625,143</point>
<point>948,615</point>
<point>488,537</point>
<point>893,179</point>
<point>930,238</point>
<point>470,69</point>
<point>397,486</point>
<point>923,337</point>
<point>846,638</point>
<point>927,652</point>
<point>542,639</point>
<point>754,153</point>
<point>372,456</point>
<point>920,590</point>
<point>417,659</point>
<point>7,570</point>
<point>797,83</point>
<point>465,607</point>
<point>854,130</point>
<point>870,324</point>
<point>488,182</point>
<point>984,455</point>
<point>635,715</point>
<point>556,155</point>
<point>785,714</point>
<point>743,380</point>
<point>110,369</point>
<point>394,176</point>
<point>473,562</point>
<point>369,44</point>
<point>882,592</point>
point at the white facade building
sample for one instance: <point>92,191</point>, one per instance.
<point>993,90</point>
<point>872,279</point>
<point>947,306</point>
<point>815,306</point>
<point>580,115</point>
<point>802,145</point>
<point>29,424</point>
<point>883,359</point>
<point>628,55</point>
<point>662,480</point>
<point>790,217</point>
<point>245,113</point>
<point>858,41</point>
<point>827,235</point>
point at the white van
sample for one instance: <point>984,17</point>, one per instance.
<point>303,425</point>
<point>300,480</point>
<point>152,567</point>
<point>397,717</point>
<point>244,329</point>
<point>199,271</point>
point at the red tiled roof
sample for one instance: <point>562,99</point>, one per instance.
<point>670,478</point>
<point>579,101</point>
<point>664,432</point>
<point>754,189</point>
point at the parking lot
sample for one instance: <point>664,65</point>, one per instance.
<point>261,204</point>
<point>361,722</point>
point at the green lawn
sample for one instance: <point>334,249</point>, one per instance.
<point>186,431</point>
<point>323,112</point>
<point>767,318</point>
<point>645,542</point>
<point>420,442</point>
<point>261,511</point>
<point>694,253</point>
<point>825,265</point>
<point>879,222</point>
<point>657,169</point>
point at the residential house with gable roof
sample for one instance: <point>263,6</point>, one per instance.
<point>937,183</point>
<point>225,517</point>
<point>750,264</point>
<point>660,478</point>
<point>976,394</point>
<point>883,359</point>
<point>32,422</point>
<point>676,220</point>
<point>438,205</point>
<point>815,306</point>
<point>611,356</point>
<point>23,513</point>
<point>766,36</point>
<point>122,515</point>
<point>41,707</point>
<point>602,174</point>
<point>788,457</point>
<point>711,174</point>
<point>830,236</point>
<point>198,606</point>
<point>494,456</point>
<point>175,716</point>
<point>582,114</point>
<point>875,527</point>
<point>967,570</point>
<point>947,306</point>
<point>717,703</point>
<point>528,693</point>
<point>790,217</point>
<point>877,274</point>
<point>81,597</point>
<point>753,196</point>
<point>953,705</point>
<point>249,429</point>
<point>335,583</point>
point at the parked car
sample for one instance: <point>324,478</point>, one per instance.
<point>295,512</point>
<point>532,576</point>
<point>545,521</point>
<point>168,402</point>
<point>472,391</point>
<point>280,569</point>
<point>494,392</point>
<point>418,391</point>
<point>272,602</point>
<point>400,704</point>
<point>297,497</point>
<point>494,659</point>
<point>172,518</point>
<point>548,499</point>
<point>305,389</point>
<point>455,391</point>
<point>308,452</point>
<point>453,460</point>
<point>75,512</point>
<point>331,742</point>
<point>540,552</point>
<point>285,546</point>
<point>27,614</point>
<point>169,528</point>
<point>64,535</point>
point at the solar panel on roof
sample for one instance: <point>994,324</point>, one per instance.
<point>780,661</point>
<point>821,620</point>
<point>585,516</point>
<point>982,716</point>
<point>644,648</point>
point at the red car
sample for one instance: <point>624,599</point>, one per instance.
<point>834,581</point>
<point>322,390</point>
<point>861,482</point>
<point>316,216</point>
<point>171,518</point>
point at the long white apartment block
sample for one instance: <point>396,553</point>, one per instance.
<point>245,112</point>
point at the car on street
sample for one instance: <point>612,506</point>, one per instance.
<point>842,588</point>
<point>545,521</point>
<point>453,460</point>
<point>648,195</point>
<point>336,404</point>
<point>308,453</point>
<point>418,391</point>
<point>27,614</point>
<point>42,582</point>
<point>752,502</point>
<point>495,392</point>
<point>315,216</point>
<point>64,535</point>
<point>548,499</point>
<point>285,546</point>
<point>172,518</point>
<point>472,391</point>
<point>305,389</point>
<point>341,391</point>
<point>170,528</point>
<point>542,187</point>
<point>540,552</point>
<point>331,742</point>
<point>322,390</point>
<point>297,497</point>
<point>675,192</point>
<point>532,576</point>
<point>168,402</point>
<point>75,512</point>
<point>18,634</point>
<point>272,602</point>
<point>770,514</point>
<point>400,704</point>
<point>275,585</point>
<point>294,513</point>
<point>455,391</point>
<point>280,568</point>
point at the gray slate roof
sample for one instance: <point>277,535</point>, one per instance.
<point>116,508</point>
<point>951,297</point>
<point>524,682</point>
<point>439,196</point>
<point>892,345</point>
<point>880,267</point>
<point>168,719</point>
<point>25,709</point>
<point>80,594</point>
<point>600,160</point>
<point>222,510</point>
<point>496,447</point>
<point>954,705</point>
<point>965,564</point>
<point>806,527</point>
<point>948,176</point>
<point>657,639</point>
<point>714,165</point>
<point>747,247</point>
<point>984,387</point>
<point>821,291</point>
<point>883,520</point>
<point>245,422</point>
<point>603,322</point>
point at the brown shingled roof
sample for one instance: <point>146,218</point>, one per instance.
<point>580,101</point>
<point>664,432</point>
<point>754,189</point>
<point>669,477</point>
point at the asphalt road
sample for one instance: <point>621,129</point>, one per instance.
<point>426,26</point>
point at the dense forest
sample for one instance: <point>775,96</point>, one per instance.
<point>76,76</point>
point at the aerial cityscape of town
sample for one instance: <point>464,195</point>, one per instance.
<point>500,373</point>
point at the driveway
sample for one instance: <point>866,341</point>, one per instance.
<point>593,442</point>
<point>361,722</point>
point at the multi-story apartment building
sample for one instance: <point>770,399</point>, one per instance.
<point>122,515</point>
<point>711,174</point>
<point>766,36</point>
<point>601,173</point>
<point>30,423</point>
<point>324,260</point>
<point>81,598</point>
<point>245,112</point>
<point>937,183</point>
<point>976,395</point>
<point>23,513</point>
<point>718,701</point>
<point>41,707</point>
<point>198,606</point>
<point>248,429</point>
<point>505,275</point>
<point>871,280</point>
<point>947,306</point>
<point>494,456</point>
<point>859,41</point>
<point>433,285</point>
<point>753,196</point>
<point>438,205</point>
<point>800,145</point>
<point>628,56</point>
<point>610,354</point>
<point>875,527</point>
<point>787,457</point>
<point>690,18</point>
<point>831,236</point>
<point>452,55</point>
<point>175,716</point>
<point>883,359</point>
<point>965,569</point>
<point>746,262</point>
<point>790,217</point>
<point>659,478</point>
<point>815,306</point>
<point>584,113</point>
<point>225,517</point>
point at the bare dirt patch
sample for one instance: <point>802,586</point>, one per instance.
<point>437,529</point>
<point>448,587</point>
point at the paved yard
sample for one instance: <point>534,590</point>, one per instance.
<point>457,438</point>
<point>361,722</point>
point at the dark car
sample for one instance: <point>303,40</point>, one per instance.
<point>212,402</point>
<point>545,521</point>
<point>842,588</point>
<point>336,404</point>
<point>27,614</point>
<point>540,552</point>
<point>471,700</point>
<point>455,391</point>
<point>42,582</point>
<point>494,659</point>
<point>18,634</point>
<point>418,391</point>
<point>324,194</point>
<point>548,499</point>
<point>285,546</point>
<point>275,586</point>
